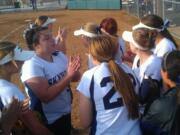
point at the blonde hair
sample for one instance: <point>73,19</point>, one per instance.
<point>5,48</point>
<point>91,28</point>
<point>103,49</point>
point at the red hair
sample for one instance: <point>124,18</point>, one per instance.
<point>109,25</point>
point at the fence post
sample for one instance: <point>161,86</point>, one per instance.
<point>159,7</point>
<point>163,6</point>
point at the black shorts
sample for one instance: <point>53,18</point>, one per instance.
<point>61,126</point>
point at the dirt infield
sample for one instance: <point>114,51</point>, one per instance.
<point>13,24</point>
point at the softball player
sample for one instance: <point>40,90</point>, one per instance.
<point>91,30</point>
<point>164,41</point>
<point>109,26</point>
<point>146,65</point>
<point>60,39</point>
<point>49,76</point>
<point>108,103</point>
<point>11,60</point>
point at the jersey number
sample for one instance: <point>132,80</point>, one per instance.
<point>109,95</point>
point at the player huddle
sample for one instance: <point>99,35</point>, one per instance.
<point>114,98</point>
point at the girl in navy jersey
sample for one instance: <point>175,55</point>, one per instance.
<point>108,102</point>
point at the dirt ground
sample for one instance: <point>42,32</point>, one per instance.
<point>12,26</point>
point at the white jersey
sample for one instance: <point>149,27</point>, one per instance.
<point>151,68</point>
<point>111,116</point>
<point>120,52</point>
<point>122,47</point>
<point>7,91</point>
<point>164,46</point>
<point>53,72</point>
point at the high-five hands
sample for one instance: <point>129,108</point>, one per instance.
<point>73,66</point>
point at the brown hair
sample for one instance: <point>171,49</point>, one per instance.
<point>109,25</point>
<point>103,49</point>
<point>157,22</point>
<point>32,36</point>
<point>41,20</point>
<point>144,37</point>
<point>92,28</point>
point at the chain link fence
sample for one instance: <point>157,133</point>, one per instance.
<point>32,4</point>
<point>167,9</point>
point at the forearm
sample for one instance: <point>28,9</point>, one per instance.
<point>34,125</point>
<point>54,90</point>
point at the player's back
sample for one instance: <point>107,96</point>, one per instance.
<point>110,113</point>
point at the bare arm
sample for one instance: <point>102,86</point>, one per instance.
<point>34,124</point>
<point>9,116</point>
<point>85,108</point>
<point>61,40</point>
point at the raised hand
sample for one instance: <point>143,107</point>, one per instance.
<point>61,39</point>
<point>10,115</point>
<point>62,33</point>
<point>73,66</point>
<point>24,105</point>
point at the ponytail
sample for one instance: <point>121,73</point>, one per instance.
<point>166,34</point>
<point>124,86</point>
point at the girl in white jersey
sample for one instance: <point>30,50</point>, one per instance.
<point>109,26</point>
<point>60,39</point>
<point>87,32</point>
<point>146,65</point>
<point>164,41</point>
<point>108,102</point>
<point>11,58</point>
<point>47,77</point>
<point>91,30</point>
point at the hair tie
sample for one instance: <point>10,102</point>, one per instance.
<point>165,25</point>
<point>98,29</point>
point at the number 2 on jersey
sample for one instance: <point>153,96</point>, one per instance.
<point>107,98</point>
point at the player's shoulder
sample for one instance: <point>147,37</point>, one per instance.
<point>167,43</point>
<point>155,61</point>
<point>34,61</point>
<point>98,71</point>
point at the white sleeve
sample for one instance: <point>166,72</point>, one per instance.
<point>164,50</point>
<point>9,92</point>
<point>155,71</point>
<point>31,69</point>
<point>122,45</point>
<point>84,85</point>
<point>165,46</point>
